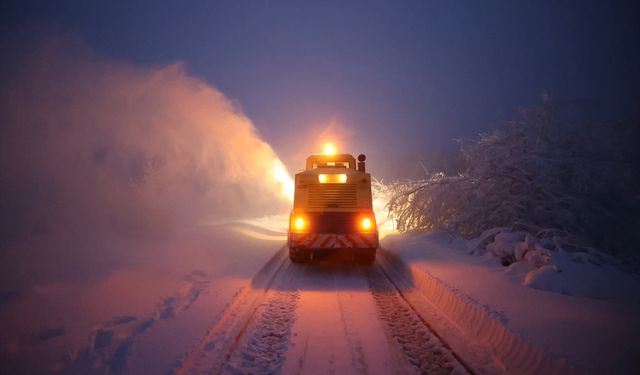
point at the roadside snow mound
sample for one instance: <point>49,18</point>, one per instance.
<point>542,264</point>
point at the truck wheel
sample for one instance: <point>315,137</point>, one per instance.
<point>365,256</point>
<point>298,255</point>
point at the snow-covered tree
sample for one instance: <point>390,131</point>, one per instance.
<point>573,187</point>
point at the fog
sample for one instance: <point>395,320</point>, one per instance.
<point>92,146</point>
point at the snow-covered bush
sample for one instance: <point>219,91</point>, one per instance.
<point>570,188</point>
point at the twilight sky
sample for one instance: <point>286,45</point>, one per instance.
<point>394,78</point>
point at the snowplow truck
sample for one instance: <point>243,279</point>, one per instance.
<point>332,210</point>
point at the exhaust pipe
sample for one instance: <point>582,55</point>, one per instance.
<point>361,159</point>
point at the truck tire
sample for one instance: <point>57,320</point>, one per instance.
<point>365,256</point>
<point>298,255</point>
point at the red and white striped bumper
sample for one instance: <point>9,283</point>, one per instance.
<point>333,240</point>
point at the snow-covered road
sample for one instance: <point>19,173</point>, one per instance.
<point>326,317</point>
<point>223,297</point>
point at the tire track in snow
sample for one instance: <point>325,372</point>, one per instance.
<point>268,337</point>
<point>216,351</point>
<point>254,333</point>
<point>474,356</point>
<point>358,358</point>
<point>337,328</point>
<point>411,336</point>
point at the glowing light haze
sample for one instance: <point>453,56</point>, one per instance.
<point>92,142</point>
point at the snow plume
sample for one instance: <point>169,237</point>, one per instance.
<point>88,143</point>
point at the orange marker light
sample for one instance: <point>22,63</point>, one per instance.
<point>366,223</point>
<point>299,223</point>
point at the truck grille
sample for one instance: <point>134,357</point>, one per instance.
<point>333,196</point>
<point>333,222</point>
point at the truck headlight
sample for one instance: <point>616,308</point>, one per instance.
<point>334,178</point>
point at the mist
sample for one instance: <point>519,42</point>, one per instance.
<point>92,146</point>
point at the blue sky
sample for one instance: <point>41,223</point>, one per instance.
<point>404,78</point>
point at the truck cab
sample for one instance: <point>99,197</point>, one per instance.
<point>332,210</point>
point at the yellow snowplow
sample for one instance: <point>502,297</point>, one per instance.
<point>332,210</point>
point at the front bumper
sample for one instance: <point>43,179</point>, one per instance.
<point>333,240</point>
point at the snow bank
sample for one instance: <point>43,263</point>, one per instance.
<point>530,331</point>
<point>543,264</point>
